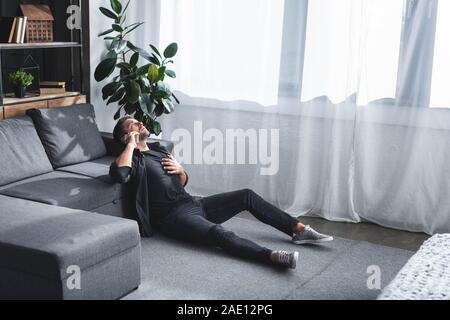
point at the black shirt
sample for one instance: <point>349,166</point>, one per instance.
<point>164,190</point>
<point>155,191</point>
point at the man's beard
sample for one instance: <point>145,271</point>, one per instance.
<point>144,136</point>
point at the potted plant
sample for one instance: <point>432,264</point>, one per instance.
<point>21,81</point>
<point>139,88</point>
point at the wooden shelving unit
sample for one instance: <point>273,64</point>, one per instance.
<point>48,45</point>
<point>46,102</point>
<point>66,59</point>
<point>12,101</point>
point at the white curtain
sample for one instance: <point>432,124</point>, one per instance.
<point>343,104</point>
<point>363,129</point>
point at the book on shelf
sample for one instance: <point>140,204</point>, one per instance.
<point>24,29</point>
<point>20,30</point>
<point>52,90</point>
<point>7,27</point>
<point>12,31</point>
<point>52,87</point>
<point>52,84</point>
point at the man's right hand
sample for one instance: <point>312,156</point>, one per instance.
<point>132,139</point>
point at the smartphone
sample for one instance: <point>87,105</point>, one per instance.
<point>136,139</point>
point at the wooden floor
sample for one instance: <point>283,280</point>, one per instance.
<point>364,231</point>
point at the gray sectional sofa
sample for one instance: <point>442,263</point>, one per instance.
<point>66,230</point>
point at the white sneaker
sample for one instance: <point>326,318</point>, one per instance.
<point>309,235</point>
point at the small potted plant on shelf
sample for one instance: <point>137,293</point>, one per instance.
<point>21,81</point>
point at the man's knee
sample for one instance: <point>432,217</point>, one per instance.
<point>248,191</point>
<point>219,235</point>
<point>248,195</point>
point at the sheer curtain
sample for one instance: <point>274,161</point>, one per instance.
<point>342,105</point>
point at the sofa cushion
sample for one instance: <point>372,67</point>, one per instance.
<point>45,240</point>
<point>21,152</point>
<point>70,135</point>
<point>66,190</point>
<point>98,169</point>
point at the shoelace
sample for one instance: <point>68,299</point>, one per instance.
<point>284,257</point>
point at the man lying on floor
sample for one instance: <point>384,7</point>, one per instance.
<point>158,182</point>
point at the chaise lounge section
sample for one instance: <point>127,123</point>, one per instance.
<point>41,244</point>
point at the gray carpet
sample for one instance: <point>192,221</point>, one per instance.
<point>337,270</point>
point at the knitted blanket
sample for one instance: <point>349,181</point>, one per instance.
<point>426,276</point>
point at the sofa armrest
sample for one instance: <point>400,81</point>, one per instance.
<point>115,149</point>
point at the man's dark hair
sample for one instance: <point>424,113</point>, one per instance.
<point>120,130</point>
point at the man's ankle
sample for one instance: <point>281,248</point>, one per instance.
<point>299,228</point>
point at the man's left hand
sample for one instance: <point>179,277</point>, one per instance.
<point>171,166</point>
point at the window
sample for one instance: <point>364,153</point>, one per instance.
<point>352,46</point>
<point>229,49</point>
<point>440,84</point>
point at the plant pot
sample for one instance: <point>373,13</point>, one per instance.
<point>20,91</point>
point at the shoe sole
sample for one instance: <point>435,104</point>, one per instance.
<point>294,265</point>
<point>314,241</point>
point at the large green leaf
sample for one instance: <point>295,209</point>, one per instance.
<point>110,89</point>
<point>156,128</point>
<point>132,27</point>
<point>155,50</point>
<point>133,91</point>
<point>143,70</point>
<point>144,54</point>
<point>108,13</point>
<point>168,105</point>
<point>124,74</point>
<point>126,6</point>
<point>119,46</point>
<point>116,96</point>
<point>134,59</point>
<point>105,69</point>
<point>117,114</point>
<point>147,104</point>
<point>145,85</point>
<point>116,6</point>
<point>123,101</point>
<point>171,74</point>
<point>121,19</point>
<point>164,90</point>
<point>104,33</point>
<point>117,27</point>
<point>131,108</point>
<point>153,74</point>
<point>171,51</point>
<point>125,65</point>
<point>159,110</point>
<point>155,60</point>
<point>162,74</point>
<point>111,55</point>
<point>176,99</point>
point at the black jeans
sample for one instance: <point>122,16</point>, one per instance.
<point>200,221</point>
